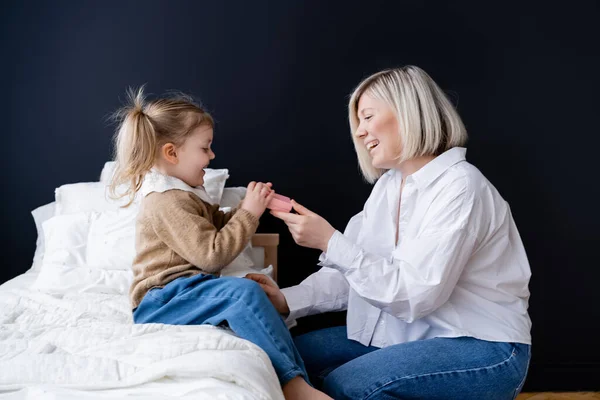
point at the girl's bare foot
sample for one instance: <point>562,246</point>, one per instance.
<point>298,389</point>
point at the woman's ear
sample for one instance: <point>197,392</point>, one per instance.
<point>169,153</point>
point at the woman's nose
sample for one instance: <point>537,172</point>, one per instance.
<point>361,133</point>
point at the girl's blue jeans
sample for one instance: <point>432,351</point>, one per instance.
<point>238,303</point>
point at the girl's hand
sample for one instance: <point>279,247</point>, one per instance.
<point>272,291</point>
<point>307,228</point>
<point>258,195</point>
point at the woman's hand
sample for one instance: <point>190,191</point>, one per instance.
<point>258,195</point>
<point>272,291</point>
<point>307,228</point>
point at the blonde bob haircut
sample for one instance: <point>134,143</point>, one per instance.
<point>428,122</point>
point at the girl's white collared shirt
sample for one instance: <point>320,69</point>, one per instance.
<point>155,181</point>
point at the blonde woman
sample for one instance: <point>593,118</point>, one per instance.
<point>432,271</point>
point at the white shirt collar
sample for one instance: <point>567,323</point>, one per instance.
<point>436,167</point>
<point>423,177</point>
<point>154,181</point>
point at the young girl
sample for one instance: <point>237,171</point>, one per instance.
<point>183,241</point>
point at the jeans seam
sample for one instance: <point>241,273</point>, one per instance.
<point>512,355</point>
<point>155,298</point>
<point>322,375</point>
<point>292,374</point>
<point>520,387</point>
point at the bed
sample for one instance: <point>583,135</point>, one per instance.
<point>66,330</point>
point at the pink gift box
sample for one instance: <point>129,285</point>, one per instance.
<point>280,203</point>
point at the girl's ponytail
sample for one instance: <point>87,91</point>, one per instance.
<point>135,147</point>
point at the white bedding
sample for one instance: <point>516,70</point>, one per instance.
<point>85,346</point>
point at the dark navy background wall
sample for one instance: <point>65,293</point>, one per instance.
<point>277,75</point>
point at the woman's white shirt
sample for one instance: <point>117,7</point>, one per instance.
<point>458,269</point>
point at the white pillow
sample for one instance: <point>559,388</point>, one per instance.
<point>111,239</point>
<point>87,196</point>
<point>240,272</point>
<point>88,252</point>
<point>214,183</point>
<point>232,196</point>
<point>243,260</point>
<point>107,172</point>
<point>214,179</point>
<point>66,239</point>
<point>103,240</point>
<point>41,215</point>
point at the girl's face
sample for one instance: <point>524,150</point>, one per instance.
<point>193,156</point>
<point>379,132</point>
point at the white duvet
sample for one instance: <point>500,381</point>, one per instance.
<point>84,346</point>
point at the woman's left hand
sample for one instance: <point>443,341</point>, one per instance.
<point>307,228</point>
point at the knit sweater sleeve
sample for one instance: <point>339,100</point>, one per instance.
<point>179,223</point>
<point>221,218</point>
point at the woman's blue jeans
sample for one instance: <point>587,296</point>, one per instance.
<point>443,368</point>
<point>239,303</point>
